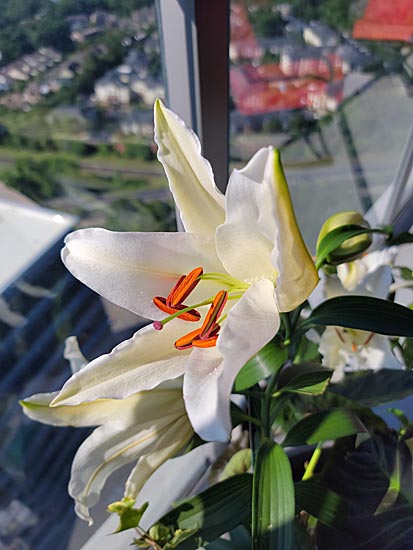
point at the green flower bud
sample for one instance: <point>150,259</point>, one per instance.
<point>160,533</point>
<point>352,248</point>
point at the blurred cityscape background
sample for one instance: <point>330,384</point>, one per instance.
<point>328,82</point>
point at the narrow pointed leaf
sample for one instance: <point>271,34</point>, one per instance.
<point>273,500</point>
<point>375,479</point>
<point>323,426</point>
<point>264,363</point>
<point>402,238</point>
<point>371,388</point>
<point>364,313</point>
<point>307,378</point>
<point>213,512</point>
<point>325,505</point>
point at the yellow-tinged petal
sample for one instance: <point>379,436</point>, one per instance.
<point>297,275</point>
<point>168,445</point>
<point>190,176</point>
<point>110,447</point>
<point>150,404</point>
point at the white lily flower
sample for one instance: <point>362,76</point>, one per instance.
<point>348,350</point>
<point>243,255</point>
<point>370,275</point>
<point>147,428</point>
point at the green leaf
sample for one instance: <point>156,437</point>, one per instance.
<point>405,273</point>
<point>307,378</point>
<point>363,313</point>
<point>375,479</point>
<point>215,511</point>
<point>325,505</point>
<point>240,463</point>
<point>401,238</point>
<point>372,388</point>
<point>401,417</point>
<point>264,363</point>
<point>336,237</point>
<point>307,351</point>
<point>322,426</point>
<point>407,352</point>
<point>240,539</point>
<point>128,516</point>
<point>273,508</point>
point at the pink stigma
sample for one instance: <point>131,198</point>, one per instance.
<point>157,325</point>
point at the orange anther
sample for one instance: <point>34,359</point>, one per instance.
<point>184,287</point>
<point>206,343</point>
<point>207,335</point>
<point>181,290</point>
<point>186,342</point>
<point>209,324</point>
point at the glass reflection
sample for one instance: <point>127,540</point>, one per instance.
<point>329,83</point>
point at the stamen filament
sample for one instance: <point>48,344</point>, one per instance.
<point>224,278</point>
<point>158,325</point>
<point>178,313</point>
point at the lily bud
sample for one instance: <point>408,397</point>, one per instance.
<point>352,248</point>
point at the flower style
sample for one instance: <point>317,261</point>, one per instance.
<point>241,261</point>
<point>349,349</point>
<point>148,427</point>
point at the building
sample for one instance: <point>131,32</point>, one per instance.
<point>384,20</point>
<point>321,36</point>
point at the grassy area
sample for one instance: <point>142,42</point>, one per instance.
<point>110,162</point>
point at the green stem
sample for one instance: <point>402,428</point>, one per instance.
<point>309,471</point>
<point>285,319</point>
<point>265,413</point>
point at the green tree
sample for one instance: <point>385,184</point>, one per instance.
<point>35,179</point>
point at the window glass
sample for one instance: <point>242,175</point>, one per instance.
<point>77,85</point>
<point>330,84</point>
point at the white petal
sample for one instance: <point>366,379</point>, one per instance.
<point>251,323</point>
<point>376,283</point>
<point>297,273</point>
<point>94,413</point>
<point>190,176</point>
<point>163,400</point>
<point>377,355</point>
<point>73,354</point>
<point>141,363</point>
<point>206,404</point>
<point>334,355</point>
<point>351,274</point>
<point>243,242</point>
<point>357,278</point>
<point>107,449</point>
<point>168,445</point>
<point>129,269</point>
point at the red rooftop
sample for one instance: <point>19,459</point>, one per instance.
<point>386,20</point>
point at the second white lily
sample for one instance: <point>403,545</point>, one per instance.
<point>240,263</point>
<point>348,350</point>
